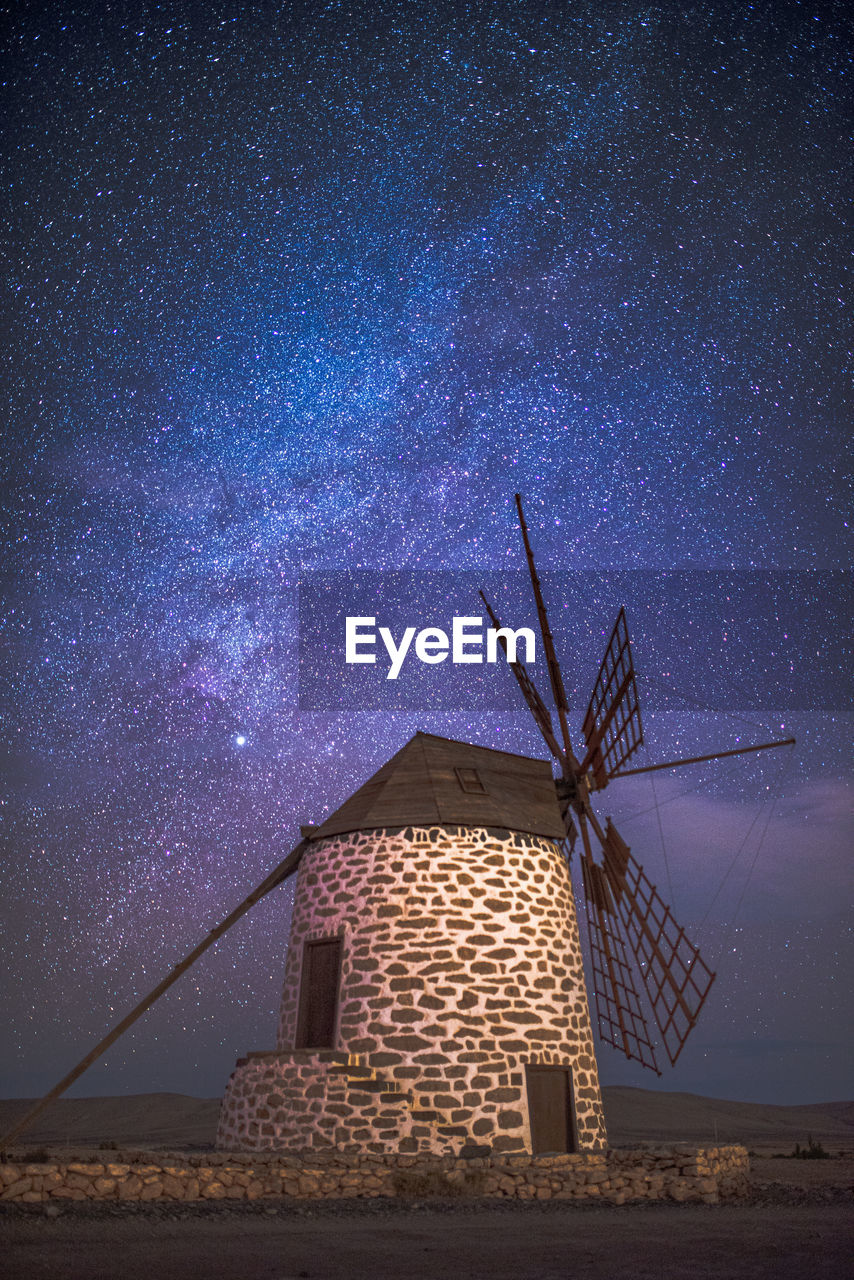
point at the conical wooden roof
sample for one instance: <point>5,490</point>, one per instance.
<point>435,781</point>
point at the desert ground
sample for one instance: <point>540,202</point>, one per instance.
<point>796,1223</point>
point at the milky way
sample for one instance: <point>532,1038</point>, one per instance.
<point>319,287</point>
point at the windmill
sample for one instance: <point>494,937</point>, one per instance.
<point>421,960</point>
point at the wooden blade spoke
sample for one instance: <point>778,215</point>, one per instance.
<point>568,821</point>
<point>539,710</point>
<point>612,725</point>
<point>618,1009</point>
<point>555,676</point>
<point>676,977</point>
<point>714,755</point>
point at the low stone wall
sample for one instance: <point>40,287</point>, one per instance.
<point>683,1173</point>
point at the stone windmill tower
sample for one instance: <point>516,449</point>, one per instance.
<point>434,995</point>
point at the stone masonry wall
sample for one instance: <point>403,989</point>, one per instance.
<point>461,965</point>
<point>706,1175</point>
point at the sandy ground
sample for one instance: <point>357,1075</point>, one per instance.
<point>797,1226</point>
<point>786,1244</point>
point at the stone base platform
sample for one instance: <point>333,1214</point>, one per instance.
<point>376,1103</point>
<point>700,1174</point>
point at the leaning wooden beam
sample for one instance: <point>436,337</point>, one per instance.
<point>275,878</point>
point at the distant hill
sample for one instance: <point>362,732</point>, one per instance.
<point>150,1119</point>
<point>632,1115</point>
<point>645,1115</point>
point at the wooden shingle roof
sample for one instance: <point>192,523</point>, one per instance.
<point>435,781</point>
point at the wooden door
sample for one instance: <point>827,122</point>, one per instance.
<point>550,1109</point>
<point>318,1001</point>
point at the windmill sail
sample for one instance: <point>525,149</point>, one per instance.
<point>618,1008</point>
<point>612,725</point>
<point>630,927</point>
<point>676,977</point>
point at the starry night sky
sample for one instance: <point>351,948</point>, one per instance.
<point>311,287</point>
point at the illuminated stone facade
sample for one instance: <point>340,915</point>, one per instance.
<point>460,973</point>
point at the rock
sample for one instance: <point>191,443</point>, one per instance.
<point>17,1188</point>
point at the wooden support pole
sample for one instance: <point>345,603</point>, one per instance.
<point>275,878</point>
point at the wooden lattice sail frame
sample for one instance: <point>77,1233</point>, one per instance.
<point>635,942</point>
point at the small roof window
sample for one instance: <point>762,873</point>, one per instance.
<point>470,780</point>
